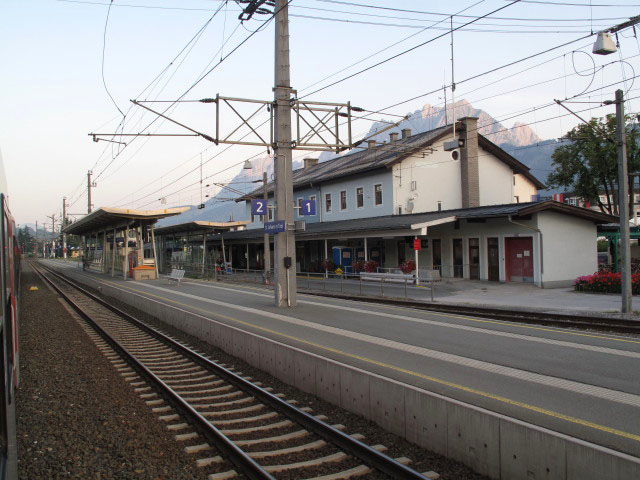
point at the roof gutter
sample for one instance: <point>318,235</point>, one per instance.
<point>540,237</point>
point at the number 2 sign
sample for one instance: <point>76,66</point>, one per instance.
<point>258,206</point>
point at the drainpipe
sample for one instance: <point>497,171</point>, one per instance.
<point>539,238</point>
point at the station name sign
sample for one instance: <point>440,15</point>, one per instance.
<point>274,227</point>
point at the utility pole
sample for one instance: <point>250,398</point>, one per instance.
<point>89,191</point>
<point>37,244</point>
<point>64,223</point>
<point>623,207</point>
<point>267,244</point>
<point>285,242</point>
<point>53,231</point>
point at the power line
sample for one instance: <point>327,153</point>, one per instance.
<point>410,49</point>
<point>104,46</point>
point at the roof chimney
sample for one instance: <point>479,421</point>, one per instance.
<point>310,162</point>
<point>371,143</point>
<point>469,162</point>
<point>406,132</point>
<point>393,137</point>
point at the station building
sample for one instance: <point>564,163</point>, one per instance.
<point>468,207</point>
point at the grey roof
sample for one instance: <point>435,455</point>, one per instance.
<point>404,222</point>
<point>383,156</point>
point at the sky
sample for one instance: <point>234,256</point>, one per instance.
<point>64,75</point>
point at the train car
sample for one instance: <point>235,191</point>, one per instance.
<point>9,315</point>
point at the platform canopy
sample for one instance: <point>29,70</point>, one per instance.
<point>106,218</point>
<point>200,227</point>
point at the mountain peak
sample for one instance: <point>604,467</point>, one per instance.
<point>430,117</point>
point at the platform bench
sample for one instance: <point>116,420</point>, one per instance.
<point>429,276</point>
<point>386,277</point>
<point>176,274</point>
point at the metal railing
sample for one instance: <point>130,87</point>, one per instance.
<point>392,286</point>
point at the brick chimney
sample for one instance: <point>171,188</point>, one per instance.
<point>469,162</point>
<point>393,137</point>
<point>406,132</point>
<point>310,162</point>
<point>371,143</point>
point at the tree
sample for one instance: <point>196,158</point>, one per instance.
<point>26,240</point>
<point>588,165</point>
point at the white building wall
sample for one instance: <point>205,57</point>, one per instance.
<point>570,248</point>
<point>496,180</point>
<point>523,189</point>
<point>498,228</point>
<point>437,179</point>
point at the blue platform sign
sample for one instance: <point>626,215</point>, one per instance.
<point>274,227</point>
<point>258,206</point>
<point>307,207</point>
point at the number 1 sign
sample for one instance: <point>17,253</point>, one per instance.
<point>307,207</point>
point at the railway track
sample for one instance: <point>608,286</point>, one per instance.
<point>596,323</point>
<point>232,426</point>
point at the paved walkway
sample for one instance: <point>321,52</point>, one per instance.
<point>529,297</point>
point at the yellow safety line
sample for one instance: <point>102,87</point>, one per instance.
<point>439,381</point>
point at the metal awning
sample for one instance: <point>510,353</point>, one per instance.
<point>106,218</point>
<point>200,227</point>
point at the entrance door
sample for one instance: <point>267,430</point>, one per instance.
<point>493,260</point>
<point>519,259</point>
<point>437,254</point>
<point>474,258</point>
<point>458,262</point>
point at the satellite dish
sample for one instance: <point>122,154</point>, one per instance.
<point>410,205</point>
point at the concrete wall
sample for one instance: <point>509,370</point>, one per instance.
<point>491,444</point>
<point>569,248</point>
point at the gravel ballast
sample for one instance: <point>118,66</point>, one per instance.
<point>422,460</point>
<point>76,416</point>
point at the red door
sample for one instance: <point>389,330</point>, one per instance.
<point>519,259</point>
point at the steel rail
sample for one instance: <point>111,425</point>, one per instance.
<point>237,456</point>
<point>603,324</point>
<point>364,452</point>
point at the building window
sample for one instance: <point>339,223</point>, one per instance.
<point>270,214</point>
<point>327,202</point>
<point>312,198</point>
<point>359,197</point>
<point>343,200</point>
<point>414,185</point>
<point>377,190</point>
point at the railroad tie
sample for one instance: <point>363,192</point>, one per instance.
<point>345,475</point>
<point>223,475</point>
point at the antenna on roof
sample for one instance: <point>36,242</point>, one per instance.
<point>453,84</point>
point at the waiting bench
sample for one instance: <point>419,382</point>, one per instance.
<point>387,277</point>
<point>176,274</point>
<point>429,276</point>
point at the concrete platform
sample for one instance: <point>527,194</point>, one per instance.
<point>497,396</point>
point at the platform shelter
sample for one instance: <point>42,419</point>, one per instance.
<point>191,246</point>
<point>114,239</point>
